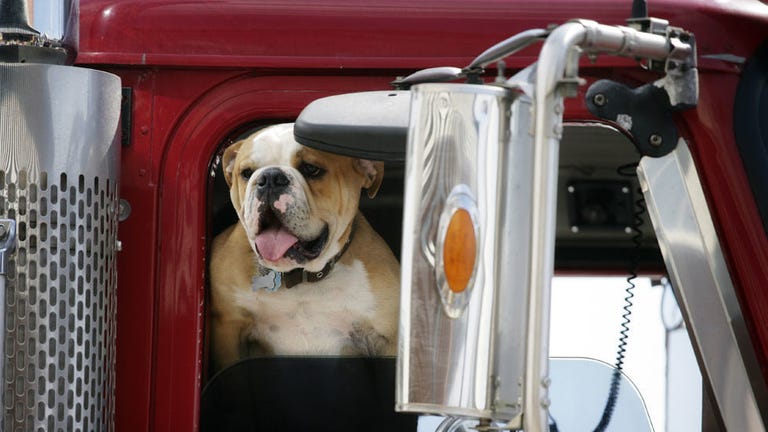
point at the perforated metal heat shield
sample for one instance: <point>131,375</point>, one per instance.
<point>58,179</point>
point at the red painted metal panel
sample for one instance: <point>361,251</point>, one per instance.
<point>731,203</point>
<point>338,34</point>
<point>136,266</point>
<point>159,99</point>
<point>183,224</point>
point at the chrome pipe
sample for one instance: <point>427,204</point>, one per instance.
<point>430,75</point>
<point>629,42</point>
<point>548,108</point>
<point>508,47</point>
<point>557,67</point>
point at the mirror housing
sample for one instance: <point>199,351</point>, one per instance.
<point>367,125</point>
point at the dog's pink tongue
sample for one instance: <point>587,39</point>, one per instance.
<point>274,242</point>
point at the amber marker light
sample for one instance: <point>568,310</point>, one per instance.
<point>459,251</point>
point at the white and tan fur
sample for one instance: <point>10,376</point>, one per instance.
<point>353,310</point>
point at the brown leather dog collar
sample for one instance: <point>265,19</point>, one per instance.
<point>299,275</point>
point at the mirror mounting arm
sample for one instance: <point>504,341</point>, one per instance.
<point>645,113</point>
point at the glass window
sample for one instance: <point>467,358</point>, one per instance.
<point>587,317</point>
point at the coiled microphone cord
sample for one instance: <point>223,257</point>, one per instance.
<point>628,170</point>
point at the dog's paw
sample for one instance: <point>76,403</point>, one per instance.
<point>366,340</point>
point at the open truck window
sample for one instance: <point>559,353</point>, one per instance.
<point>261,390</point>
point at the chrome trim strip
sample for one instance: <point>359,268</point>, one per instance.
<point>695,262</point>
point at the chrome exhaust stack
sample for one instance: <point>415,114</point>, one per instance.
<point>59,166</point>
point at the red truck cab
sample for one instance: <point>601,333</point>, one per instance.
<point>198,74</point>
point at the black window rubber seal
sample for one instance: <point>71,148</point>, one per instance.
<point>750,122</point>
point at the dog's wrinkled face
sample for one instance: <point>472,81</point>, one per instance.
<point>296,204</point>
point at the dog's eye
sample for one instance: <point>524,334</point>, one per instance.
<point>246,173</point>
<point>310,171</point>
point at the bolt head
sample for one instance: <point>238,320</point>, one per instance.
<point>655,140</point>
<point>599,99</point>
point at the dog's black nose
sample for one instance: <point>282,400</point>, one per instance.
<point>272,179</point>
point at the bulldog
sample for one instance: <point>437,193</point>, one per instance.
<point>302,272</point>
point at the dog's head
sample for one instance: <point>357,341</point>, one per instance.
<point>297,204</point>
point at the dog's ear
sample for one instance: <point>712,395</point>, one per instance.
<point>373,171</point>
<point>228,160</point>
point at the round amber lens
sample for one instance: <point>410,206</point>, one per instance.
<point>459,250</point>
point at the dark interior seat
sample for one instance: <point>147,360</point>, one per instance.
<point>304,394</point>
